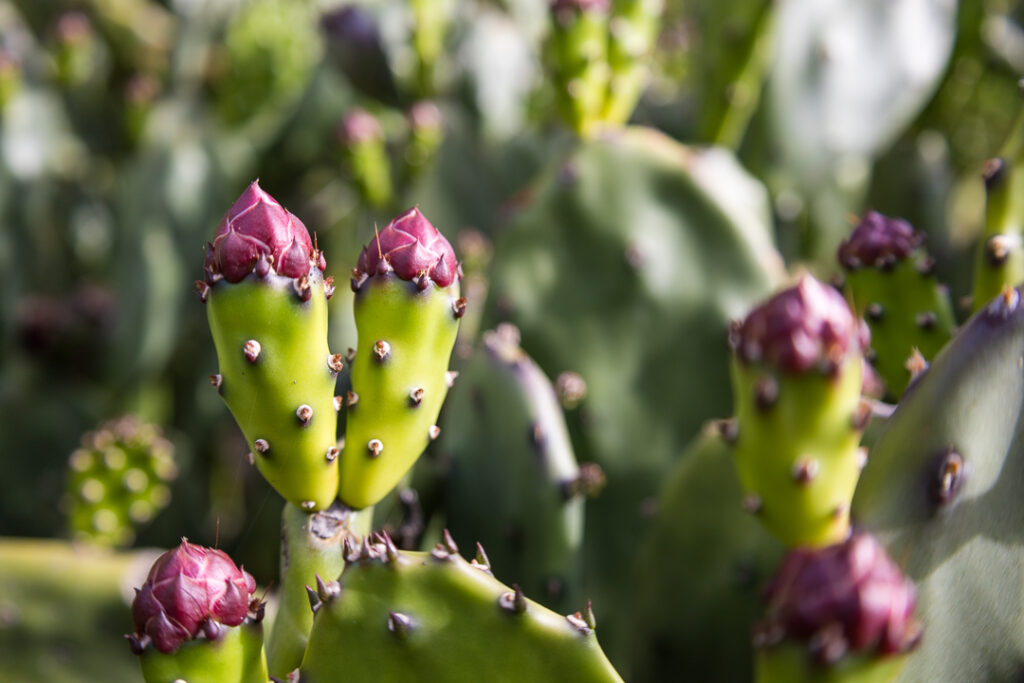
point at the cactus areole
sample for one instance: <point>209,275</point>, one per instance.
<point>849,598</point>
<point>407,311</point>
<point>191,591</point>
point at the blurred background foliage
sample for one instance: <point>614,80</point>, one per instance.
<point>128,127</point>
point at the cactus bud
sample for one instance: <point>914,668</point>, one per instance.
<point>412,247</point>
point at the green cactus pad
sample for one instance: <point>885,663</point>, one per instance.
<point>235,657</point>
<point>791,664</point>
<point>405,340</point>
<point>291,371</point>
<point>118,480</point>
<point>798,458</point>
<point>514,484</point>
<point>699,574</point>
<point>942,490</point>
<point>311,546</point>
<point>403,616</point>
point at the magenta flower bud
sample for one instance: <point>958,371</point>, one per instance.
<point>849,597</point>
<point>190,590</point>
<point>879,241</point>
<point>425,116</point>
<point>414,249</point>
<point>804,327</point>
<point>358,126</point>
<point>259,234</point>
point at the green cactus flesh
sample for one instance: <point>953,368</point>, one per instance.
<point>277,377</point>
<point>699,574</point>
<point>942,491</point>
<point>1000,256</point>
<point>906,309</point>
<point>632,31</point>
<point>399,380</point>
<point>118,479</point>
<point>235,657</point>
<point>511,459</point>
<point>577,56</point>
<point>311,546</point>
<point>403,616</point>
<point>797,450</point>
<point>791,664</point>
<point>626,264</point>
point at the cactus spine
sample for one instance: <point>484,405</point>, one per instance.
<point>312,545</point>
<point>797,381</point>
<point>407,311</point>
<point>890,280</point>
<point>400,616</point>
<point>267,308</point>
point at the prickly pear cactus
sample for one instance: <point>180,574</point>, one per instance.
<point>402,616</point>
<point>118,480</point>
<point>699,574</point>
<point>1000,257</point>
<point>835,614</point>
<point>625,265</point>
<point>797,375</point>
<point>407,310</point>
<point>942,491</point>
<point>363,149</point>
<point>311,546</point>
<point>890,280</point>
<point>511,457</point>
<point>266,303</point>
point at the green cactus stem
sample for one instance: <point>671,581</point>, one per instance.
<point>363,148</point>
<point>407,311</point>
<point>942,491</point>
<point>1000,256</point>
<point>511,457</point>
<point>312,545</point>
<point>236,657</point>
<point>890,280</point>
<point>577,56</point>
<point>118,480</point>
<point>402,616</point>
<point>267,308</point>
<point>797,373</point>
<point>430,20</point>
<point>632,31</point>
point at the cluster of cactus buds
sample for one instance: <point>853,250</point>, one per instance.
<point>118,479</point>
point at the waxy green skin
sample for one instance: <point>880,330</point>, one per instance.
<point>966,555</point>
<point>632,31</point>
<point>235,657</point>
<point>511,466</point>
<point>811,419</point>
<point>291,371</point>
<point>459,632</point>
<point>790,663</point>
<point>904,294</point>
<point>696,586</point>
<point>311,546</point>
<point>420,329</point>
<point>577,55</point>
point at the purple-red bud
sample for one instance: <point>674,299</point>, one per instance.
<point>413,248</point>
<point>851,594</point>
<point>258,234</point>
<point>804,327</point>
<point>358,126</point>
<point>190,590</point>
<point>879,241</point>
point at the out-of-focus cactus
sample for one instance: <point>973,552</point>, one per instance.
<point>426,132</point>
<point>118,480</point>
<point>890,280</point>
<point>844,613</point>
<point>578,58</point>
<point>395,615</point>
<point>196,619</point>
<point>632,31</point>
<point>511,459</point>
<point>355,45</point>
<point>267,309</point>
<point>363,148</point>
<point>407,310</point>
<point>797,374</point>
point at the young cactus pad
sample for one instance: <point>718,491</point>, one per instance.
<point>891,281</point>
<point>407,310</point>
<point>797,382</point>
<point>404,616</point>
<point>267,308</point>
<point>512,459</point>
<point>842,614</point>
<point>196,620</point>
<point>942,490</point>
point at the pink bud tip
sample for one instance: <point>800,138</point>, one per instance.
<point>412,247</point>
<point>879,242</point>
